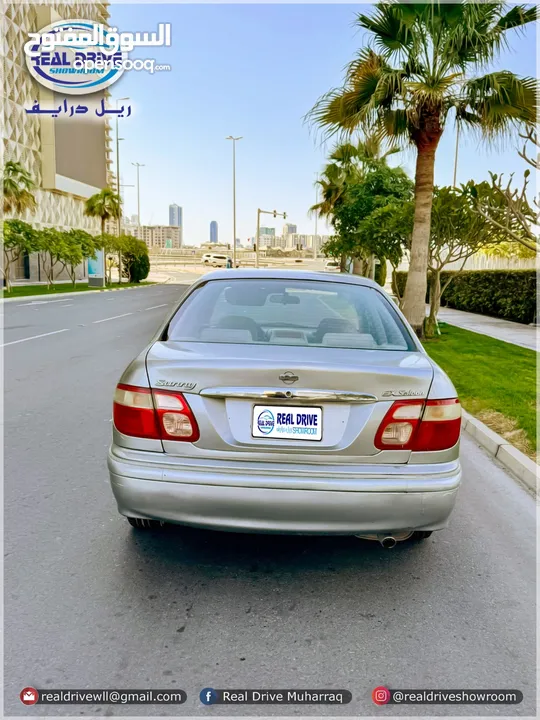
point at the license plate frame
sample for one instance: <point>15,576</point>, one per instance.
<point>264,423</point>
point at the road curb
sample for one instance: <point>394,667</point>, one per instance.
<point>81,293</point>
<point>513,459</point>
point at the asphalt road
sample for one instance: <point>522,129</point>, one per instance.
<point>89,603</point>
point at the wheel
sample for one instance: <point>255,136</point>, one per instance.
<point>421,534</point>
<point>143,524</point>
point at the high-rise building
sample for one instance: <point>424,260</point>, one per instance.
<point>175,215</point>
<point>289,229</point>
<point>213,232</point>
<point>68,161</point>
<point>157,236</point>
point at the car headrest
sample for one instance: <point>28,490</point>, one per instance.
<point>225,335</point>
<point>349,340</point>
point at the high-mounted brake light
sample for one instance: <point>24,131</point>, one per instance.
<point>153,414</point>
<point>420,426</point>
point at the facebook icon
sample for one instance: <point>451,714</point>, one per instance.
<point>208,696</point>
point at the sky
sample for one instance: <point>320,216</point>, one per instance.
<point>255,71</point>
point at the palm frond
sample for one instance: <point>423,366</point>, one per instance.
<point>501,99</point>
<point>391,32</point>
<point>517,17</point>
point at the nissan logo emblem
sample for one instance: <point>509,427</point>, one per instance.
<point>288,377</point>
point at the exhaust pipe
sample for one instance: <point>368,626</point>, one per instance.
<point>388,542</point>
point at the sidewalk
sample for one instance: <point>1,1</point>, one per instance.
<point>510,332</point>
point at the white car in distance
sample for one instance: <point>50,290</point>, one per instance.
<point>332,266</point>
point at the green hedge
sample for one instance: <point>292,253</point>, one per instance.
<point>507,294</point>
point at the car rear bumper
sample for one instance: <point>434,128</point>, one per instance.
<point>374,500</point>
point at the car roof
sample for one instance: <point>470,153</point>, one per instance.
<point>278,274</point>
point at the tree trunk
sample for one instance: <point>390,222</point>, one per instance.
<point>6,271</point>
<point>51,269</point>
<point>343,263</point>
<point>119,267</point>
<point>46,272</point>
<point>434,302</point>
<point>358,266</point>
<point>395,286</point>
<point>414,298</point>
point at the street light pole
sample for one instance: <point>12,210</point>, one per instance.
<point>316,216</point>
<point>257,238</point>
<point>138,165</point>
<point>118,166</point>
<point>456,155</point>
<point>234,139</point>
<point>118,188</point>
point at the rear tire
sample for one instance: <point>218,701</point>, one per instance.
<point>421,534</point>
<point>144,524</point>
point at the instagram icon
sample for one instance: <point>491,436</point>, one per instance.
<point>381,695</point>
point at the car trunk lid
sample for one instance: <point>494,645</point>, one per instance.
<point>230,386</point>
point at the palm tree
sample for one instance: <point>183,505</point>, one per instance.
<point>346,166</point>
<point>17,188</point>
<point>418,69</point>
<point>104,205</point>
<point>347,163</point>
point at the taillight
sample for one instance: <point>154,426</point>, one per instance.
<point>176,421</point>
<point>159,415</point>
<point>418,426</point>
<point>440,426</point>
<point>133,412</point>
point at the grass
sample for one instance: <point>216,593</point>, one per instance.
<point>26,290</point>
<point>496,382</point>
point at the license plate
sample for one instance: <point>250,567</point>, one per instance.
<point>286,422</point>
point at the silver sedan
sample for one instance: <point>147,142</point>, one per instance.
<point>287,402</point>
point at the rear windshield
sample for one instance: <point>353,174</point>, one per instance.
<point>282,312</point>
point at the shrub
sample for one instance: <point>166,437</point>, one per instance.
<point>139,268</point>
<point>506,294</point>
<point>136,265</point>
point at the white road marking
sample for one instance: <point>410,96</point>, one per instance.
<point>114,317</point>
<point>34,337</point>
<point>156,306</point>
<point>41,302</point>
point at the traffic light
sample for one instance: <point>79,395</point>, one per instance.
<point>255,247</point>
<point>284,216</point>
<point>275,213</point>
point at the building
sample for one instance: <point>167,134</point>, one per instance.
<point>175,215</point>
<point>298,241</point>
<point>289,229</point>
<point>157,236</point>
<point>131,221</point>
<point>68,161</point>
<point>213,232</point>
<point>266,240</point>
